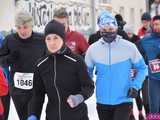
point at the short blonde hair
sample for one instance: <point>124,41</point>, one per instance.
<point>23,18</point>
<point>61,13</point>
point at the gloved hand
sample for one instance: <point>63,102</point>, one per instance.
<point>75,100</point>
<point>132,92</point>
<point>12,58</point>
<point>32,117</point>
<point>158,56</point>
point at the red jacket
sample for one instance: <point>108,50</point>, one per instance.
<point>3,89</point>
<point>141,32</point>
<point>76,42</point>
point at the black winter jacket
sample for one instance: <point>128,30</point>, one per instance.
<point>21,54</point>
<point>94,37</point>
<point>59,76</point>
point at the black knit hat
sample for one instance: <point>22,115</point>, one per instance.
<point>146,16</point>
<point>54,27</point>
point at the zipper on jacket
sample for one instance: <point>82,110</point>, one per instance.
<point>58,94</point>
<point>109,54</point>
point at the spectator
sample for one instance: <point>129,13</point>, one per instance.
<point>146,25</point>
<point>74,40</point>
<point>94,37</point>
<point>121,24</point>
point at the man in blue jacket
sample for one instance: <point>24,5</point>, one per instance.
<point>150,46</point>
<point>113,58</point>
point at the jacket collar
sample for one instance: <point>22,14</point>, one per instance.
<point>112,43</point>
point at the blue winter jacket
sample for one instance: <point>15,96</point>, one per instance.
<point>113,63</point>
<point>151,49</point>
<point>1,39</point>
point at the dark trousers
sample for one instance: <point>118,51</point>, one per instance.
<point>84,118</point>
<point>154,96</point>
<point>114,112</point>
<point>22,103</point>
<point>145,97</point>
<point>6,105</point>
<point>139,101</point>
<point>2,117</point>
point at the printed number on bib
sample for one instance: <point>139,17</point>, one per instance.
<point>154,65</point>
<point>23,80</point>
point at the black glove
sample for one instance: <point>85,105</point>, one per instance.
<point>132,93</point>
<point>12,58</point>
<point>158,56</point>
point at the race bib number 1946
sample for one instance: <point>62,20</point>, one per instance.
<point>23,80</point>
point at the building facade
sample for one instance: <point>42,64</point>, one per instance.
<point>131,10</point>
<point>83,13</point>
<point>7,14</point>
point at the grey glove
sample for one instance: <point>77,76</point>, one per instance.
<point>75,100</point>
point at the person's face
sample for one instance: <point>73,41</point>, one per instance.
<point>53,42</point>
<point>130,35</point>
<point>24,31</point>
<point>108,29</point>
<point>63,21</point>
<point>157,1</point>
<point>146,23</point>
<point>156,26</point>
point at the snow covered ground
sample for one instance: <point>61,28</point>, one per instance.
<point>91,109</point>
<point>91,102</point>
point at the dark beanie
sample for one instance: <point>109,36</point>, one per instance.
<point>54,27</point>
<point>157,17</point>
<point>119,17</point>
<point>146,16</point>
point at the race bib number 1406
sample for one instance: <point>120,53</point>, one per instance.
<point>23,80</point>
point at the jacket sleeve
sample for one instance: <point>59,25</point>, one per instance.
<point>87,85</point>
<point>38,95</point>
<point>141,69</point>
<point>3,84</point>
<point>89,62</point>
<point>141,50</point>
<point>4,51</point>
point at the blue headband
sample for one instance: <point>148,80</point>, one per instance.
<point>107,19</point>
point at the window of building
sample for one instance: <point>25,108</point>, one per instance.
<point>121,11</point>
<point>105,1</point>
<point>132,17</point>
<point>141,12</point>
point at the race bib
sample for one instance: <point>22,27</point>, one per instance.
<point>154,65</point>
<point>23,80</point>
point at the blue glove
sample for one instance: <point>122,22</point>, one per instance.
<point>75,100</point>
<point>32,117</point>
